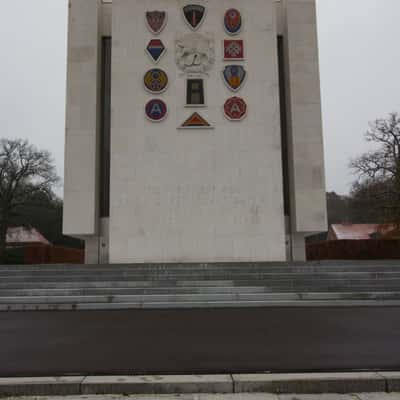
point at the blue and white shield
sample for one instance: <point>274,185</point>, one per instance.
<point>234,76</point>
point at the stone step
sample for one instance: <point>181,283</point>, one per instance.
<point>170,283</point>
<point>111,284</point>
<point>129,291</point>
<point>173,269</point>
<point>211,285</point>
<point>235,297</point>
<point>195,290</point>
<point>270,282</point>
<point>197,304</point>
<point>225,267</point>
<point>240,275</point>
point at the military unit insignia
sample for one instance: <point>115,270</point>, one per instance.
<point>195,121</point>
<point>156,21</point>
<point>234,76</point>
<point>235,109</point>
<point>156,110</point>
<point>194,15</point>
<point>155,80</point>
<point>232,21</point>
<point>155,49</point>
<point>233,49</point>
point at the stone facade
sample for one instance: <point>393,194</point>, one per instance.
<point>195,194</point>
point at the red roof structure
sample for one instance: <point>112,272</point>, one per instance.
<point>358,231</point>
<point>21,235</point>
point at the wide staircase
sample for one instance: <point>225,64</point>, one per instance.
<point>96,287</point>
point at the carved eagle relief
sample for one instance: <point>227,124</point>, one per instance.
<point>194,52</point>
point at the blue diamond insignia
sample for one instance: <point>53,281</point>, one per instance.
<point>155,49</point>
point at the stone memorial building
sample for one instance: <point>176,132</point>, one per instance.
<point>193,130</point>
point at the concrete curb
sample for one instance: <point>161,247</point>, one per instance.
<point>163,384</point>
<point>236,383</point>
<point>48,386</point>
<point>310,383</point>
<point>392,380</point>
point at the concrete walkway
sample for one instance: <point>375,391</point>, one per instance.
<point>236,386</point>
<point>239,396</point>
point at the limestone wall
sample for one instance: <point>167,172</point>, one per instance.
<point>195,195</point>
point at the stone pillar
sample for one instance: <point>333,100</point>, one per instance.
<point>306,153</point>
<point>104,241</point>
<point>91,250</point>
<point>298,248</point>
<point>81,139</point>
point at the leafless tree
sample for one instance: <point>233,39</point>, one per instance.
<point>380,168</point>
<point>25,173</point>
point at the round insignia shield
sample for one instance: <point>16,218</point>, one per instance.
<point>232,21</point>
<point>156,110</point>
<point>155,80</point>
<point>235,109</point>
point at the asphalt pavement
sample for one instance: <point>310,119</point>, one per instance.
<point>199,341</point>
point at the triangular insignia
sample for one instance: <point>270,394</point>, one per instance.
<point>195,121</point>
<point>194,15</point>
<point>155,49</point>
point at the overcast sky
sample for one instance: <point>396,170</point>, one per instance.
<point>359,57</point>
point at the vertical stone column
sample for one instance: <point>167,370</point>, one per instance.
<point>81,139</point>
<point>306,161</point>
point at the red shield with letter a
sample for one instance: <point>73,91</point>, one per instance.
<point>235,109</point>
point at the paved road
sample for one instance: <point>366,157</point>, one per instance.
<point>199,341</point>
<point>257,396</point>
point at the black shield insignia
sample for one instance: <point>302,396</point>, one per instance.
<point>194,15</point>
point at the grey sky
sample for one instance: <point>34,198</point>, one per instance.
<point>359,57</point>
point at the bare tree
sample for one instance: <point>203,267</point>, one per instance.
<point>380,168</point>
<point>26,173</point>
